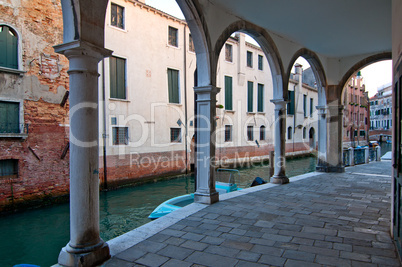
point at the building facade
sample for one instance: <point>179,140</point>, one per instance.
<point>381,109</point>
<point>356,115</point>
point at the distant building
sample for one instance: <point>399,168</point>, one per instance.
<point>381,114</point>
<point>356,112</point>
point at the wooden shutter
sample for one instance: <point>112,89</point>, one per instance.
<point>8,48</point>
<point>228,93</point>
<point>117,78</point>
<point>113,78</point>
<point>260,104</point>
<point>291,104</point>
<point>9,117</point>
<point>173,86</point>
<point>250,86</point>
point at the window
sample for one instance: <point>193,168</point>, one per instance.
<point>260,98</point>
<point>8,47</point>
<point>228,93</point>
<point>8,168</point>
<point>120,135</point>
<point>9,117</point>
<point>191,43</point>
<point>291,104</point>
<point>228,53</point>
<point>250,136</point>
<point>262,132</point>
<point>249,59</point>
<point>117,16</point>
<point>250,86</point>
<point>311,107</point>
<point>228,133</point>
<point>173,40</point>
<point>175,135</point>
<point>173,86</point>
<point>362,133</point>
<point>289,133</point>
<point>305,105</point>
<point>260,62</point>
<point>117,78</point>
<point>304,132</point>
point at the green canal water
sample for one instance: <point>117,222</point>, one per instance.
<point>36,236</point>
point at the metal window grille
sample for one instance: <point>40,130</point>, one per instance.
<point>8,168</point>
<point>175,135</point>
<point>120,135</point>
<point>173,37</point>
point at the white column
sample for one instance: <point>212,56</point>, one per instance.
<point>378,153</point>
<point>280,142</point>
<point>334,138</point>
<point>85,248</point>
<point>322,139</point>
<point>351,152</point>
<point>205,157</point>
<point>367,154</point>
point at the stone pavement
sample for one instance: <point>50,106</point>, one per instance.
<point>318,219</point>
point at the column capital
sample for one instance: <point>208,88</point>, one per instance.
<point>82,48</point>
<point>279,101</point>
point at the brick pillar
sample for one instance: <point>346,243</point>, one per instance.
<point>85,248</point>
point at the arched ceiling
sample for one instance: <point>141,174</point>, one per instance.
<point>335,29</point>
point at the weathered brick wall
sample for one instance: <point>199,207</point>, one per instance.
<point>41,171</point>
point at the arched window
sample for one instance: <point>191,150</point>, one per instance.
<point>8,47</point>
<point>262,132</point>
<point>289,133</point>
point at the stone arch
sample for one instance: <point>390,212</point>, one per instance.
<point>201,39</point>
<point>361,64</point>
<point>317,68</point>
<point>267,45</point>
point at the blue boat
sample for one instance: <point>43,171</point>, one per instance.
<point>225,183</point>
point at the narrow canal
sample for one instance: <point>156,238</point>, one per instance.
<point>36,236</point>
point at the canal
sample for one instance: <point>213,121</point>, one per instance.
<point>36,236</point>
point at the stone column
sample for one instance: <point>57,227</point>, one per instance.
<point>85,248</point>
<point>205,156</point>
<point>280,142</point>
<point>351,152</point>
<point>334,139</point>
<point>322,139</point>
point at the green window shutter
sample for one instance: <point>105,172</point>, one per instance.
<point>173,86</point>
<point>311,107</point>
<point>260,104</point>
<point>250,86</point>
<point>117,78</point>
<point>291,104</point>
<point>228,93</point>
<point>9,117</point>
<point>305,105</point>
<point>8,48</point>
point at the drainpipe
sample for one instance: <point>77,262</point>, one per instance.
<point>104,127</point>
<point>185,95</point>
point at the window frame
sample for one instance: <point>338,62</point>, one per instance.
<point>227,46</point>
<point>250,133</point>
<point>228,133</point>
<point>21,122</point>
<point>260,97</point>
<point>123,26</point>
<point>260,62</point>
<point>289,133</point>
<point>228,100</point>
<point>249,59</point>
<point>191,47</point>
<point>250,96</point>
<point>262,132</point>
<point>19,69</point>
<point>170,43</point>
<point>15,173</point>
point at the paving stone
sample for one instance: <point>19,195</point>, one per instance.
<point>248,264</point>
<point>237,245</point>
<point>192,236</point>
<point>332,261</point>
<point>302,241</point>
<point>176,263</point>
<point>298,263</point>
<point>223,251</point>
<point>248,256</point>
<point>148,246</point>
<point>152,260</point>
<point>118,263</point>
<point>131,254</point>
<point>213,240</point>
<point>267,250</point>
<point>208,259</point>
<point>261,241</point>
<point>176,241</point>
<point>172,232</point>
<point>355,256</point>
<point>272,260</point>
<point>175,252</point>
<point>382,261</point>
<point>299,255</point>
<point>194,245</point>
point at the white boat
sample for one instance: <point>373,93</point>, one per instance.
<point>225,183</point>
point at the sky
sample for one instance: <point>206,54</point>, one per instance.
<point>375,75</point>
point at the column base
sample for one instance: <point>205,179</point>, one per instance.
<point>279,179</point>
<point>208,199</point>
<point>330,169</point>
<point>85,259</point>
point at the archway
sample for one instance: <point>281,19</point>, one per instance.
<point>311,137</point>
